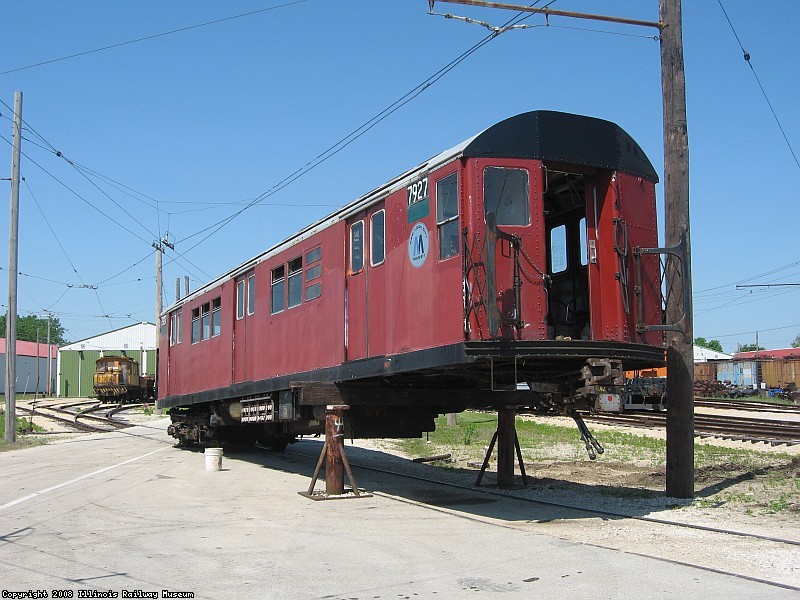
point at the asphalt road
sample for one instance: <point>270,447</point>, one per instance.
<point>127,513</point>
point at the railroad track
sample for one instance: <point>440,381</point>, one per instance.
<point>70,418</point>
<point>734,428</point>
<point>748,406</point>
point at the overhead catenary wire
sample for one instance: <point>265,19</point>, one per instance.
<point>747,58</point>
<point>52,231</point>
<point>353,135</point>
<point>151,37</point>
<point>79,196</point>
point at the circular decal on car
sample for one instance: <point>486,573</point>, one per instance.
<point>418,245</point>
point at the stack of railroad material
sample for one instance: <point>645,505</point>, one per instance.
<point>710,389</point>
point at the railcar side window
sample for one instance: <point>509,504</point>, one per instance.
<point>314,290</point>
<point>277,289</point>
<point>378,238</point>
<point>216,316</point>
<point>313,272</point>
<point>195,325</point>
<point>447,216</point>
<point>251,294</point>
<point>505,193</point>
<point>357,247</point>
<point>240,299</point>
<point>313,255</point>
<point>175,328</point>
<point>558,249</point>
<point>205,329</point>
<point>295,281</point>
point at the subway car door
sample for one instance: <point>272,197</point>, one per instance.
<point>568,256</point>
<point>511,218</point>
<point>355,299</point>
<point>245,306</point>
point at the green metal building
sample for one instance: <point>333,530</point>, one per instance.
<point>77,361</point>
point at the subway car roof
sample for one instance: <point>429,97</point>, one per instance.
<point>541,134</point>
<point>565,138</point>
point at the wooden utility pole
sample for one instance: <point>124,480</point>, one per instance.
<point>680,353</point>
<point>159,246</point>
<point>13,255</point>
<point>49,359</point>
<point>680,358</point>
<point>38,360</point>
<point>159,300</point>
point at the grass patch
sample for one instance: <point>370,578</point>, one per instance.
<point>750,480</point>
<point>23,440</point>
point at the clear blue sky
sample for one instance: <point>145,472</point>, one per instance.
<point>197,122</point>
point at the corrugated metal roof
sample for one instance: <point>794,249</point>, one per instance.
<point>134,337</point>
<point>705,354</point>
<point>29,348</point>
<point>778,354</point>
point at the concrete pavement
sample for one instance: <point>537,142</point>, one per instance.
<point>125,511</point>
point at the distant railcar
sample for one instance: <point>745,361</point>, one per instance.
<point>518,268</point>
<point>117,379</point>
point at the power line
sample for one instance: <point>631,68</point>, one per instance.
<point>751,278</point>
<point>126,269</point>
<point>353,135</point>
<point>79,196</point>
<point>151,37</point>
<point>755,331</point>
<point>746,56</point>
<point>50,227</point>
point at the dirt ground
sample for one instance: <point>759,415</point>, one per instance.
<point>758,493</point>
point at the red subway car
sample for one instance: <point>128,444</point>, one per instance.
<point>505,271</point>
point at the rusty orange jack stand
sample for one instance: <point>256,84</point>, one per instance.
<point>336,463</point>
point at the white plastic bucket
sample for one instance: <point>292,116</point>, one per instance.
<point>213,459</point>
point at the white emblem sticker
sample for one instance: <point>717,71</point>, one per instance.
<point>418,245</point>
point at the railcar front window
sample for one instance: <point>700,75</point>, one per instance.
<point>558,249</point>
<point>295,281</point>
<point>277,289</point>
<point>378,238</point>
<point>357,247</point>
<point>447,216</point>
<point>584,243</point>
<point>505,193</point>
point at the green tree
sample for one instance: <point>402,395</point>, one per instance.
<point>796,342</point>
<point>26,329</point>
<point>750,348</point>
<point>710,344</point>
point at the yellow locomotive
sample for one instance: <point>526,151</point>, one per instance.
<point>117,379</point>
